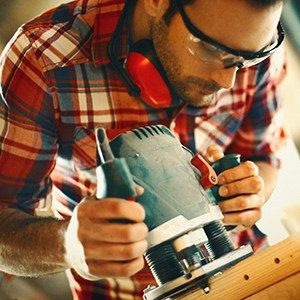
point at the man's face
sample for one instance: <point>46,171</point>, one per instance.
<point>232,23</point>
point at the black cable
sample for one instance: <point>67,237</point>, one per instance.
<point>115,61</point>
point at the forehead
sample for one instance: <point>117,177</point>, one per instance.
<point>235,23</point>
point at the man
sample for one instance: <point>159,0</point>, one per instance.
<point>58,84</point>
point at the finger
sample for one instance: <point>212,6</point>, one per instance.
<point>139,190</point>
<point>214,152</point>
<point>241,203</point>
<point>251,185</point>
<point>113,232</point>
<point>115,269</point>
<point>246,218</point>
<point>111,208</point>
<point>115,252</point>
<point>244,170</point>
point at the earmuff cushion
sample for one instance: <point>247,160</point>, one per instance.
<point>146,71</point>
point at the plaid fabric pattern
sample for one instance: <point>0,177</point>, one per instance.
<point>57,85</point>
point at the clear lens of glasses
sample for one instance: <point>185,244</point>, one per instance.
<point>219,58</point>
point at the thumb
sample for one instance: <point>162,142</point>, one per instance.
<point>139,189</point>
<point>214,152</point>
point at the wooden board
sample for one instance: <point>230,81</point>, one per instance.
<point>262,276</point>
<point>287,289</point>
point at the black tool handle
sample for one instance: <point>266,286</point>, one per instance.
<point>227,162</point>
<point>114,178</point>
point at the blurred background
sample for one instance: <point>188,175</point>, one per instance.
<point>282,212</point>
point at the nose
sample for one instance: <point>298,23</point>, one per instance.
<point>224,77</point>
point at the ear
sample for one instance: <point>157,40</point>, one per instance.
<point>156,8</point>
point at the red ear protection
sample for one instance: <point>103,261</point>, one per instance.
<point>146,71</point>
<point>143,73</point>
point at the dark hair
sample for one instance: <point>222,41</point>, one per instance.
<point>256,3</point>
<point>173,9</point>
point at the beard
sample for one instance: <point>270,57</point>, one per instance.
<point>192,90</point>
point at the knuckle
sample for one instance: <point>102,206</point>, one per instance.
<point>134,250</point>
<point>240,219</point>
<point>117,207</point>
<point>257,183</point>
<point>230,175</point>
<point>132,267</point>
<point>134,232</point>
<point>251,167</point>
<point>243,202</point>
<point>233,188</point>
<point>251,218</point>
<point>129,232</point>
<point>129,252</point>
<point>127,270</point>
<point>214,152</point>
<point>125,208</point>
<point>258,213</point>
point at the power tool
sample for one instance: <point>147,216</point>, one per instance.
<point>187,242</point>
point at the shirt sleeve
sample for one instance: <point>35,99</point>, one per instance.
<point>28,143</point>
<point>262,134</point>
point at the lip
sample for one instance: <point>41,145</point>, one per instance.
<point>204,92</point>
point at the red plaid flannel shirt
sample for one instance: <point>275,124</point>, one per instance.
<point>57,85</point>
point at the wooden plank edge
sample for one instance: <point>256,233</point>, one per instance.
<point>253,274</point>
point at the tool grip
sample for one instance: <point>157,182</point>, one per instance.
<point>115,180</point>
<point>229,161</point>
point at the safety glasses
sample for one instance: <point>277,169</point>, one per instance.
<point>217,55</point>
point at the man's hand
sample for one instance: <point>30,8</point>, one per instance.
<point>244,187</point>
<point>97,247</point>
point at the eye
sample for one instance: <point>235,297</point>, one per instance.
<point>209,49</point>
<point>206,49</point>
